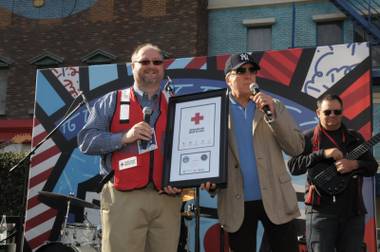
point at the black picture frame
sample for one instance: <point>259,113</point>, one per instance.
<point>187,150</point>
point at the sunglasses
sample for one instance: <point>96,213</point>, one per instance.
<point>147,62</point>
<point>243,70</point>
<point>328,112</point>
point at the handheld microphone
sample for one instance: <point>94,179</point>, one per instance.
<point>147,111</point>
<point>254,88</point>
<point>85,101</point>
<point>168,87</point>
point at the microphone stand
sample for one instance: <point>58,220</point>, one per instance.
<point>48,136</point>
<point>21,229</point>
<point>197,220</point>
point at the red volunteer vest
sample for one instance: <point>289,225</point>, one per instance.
<point>137,171</point>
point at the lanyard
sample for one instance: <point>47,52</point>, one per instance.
<point>332,140</point>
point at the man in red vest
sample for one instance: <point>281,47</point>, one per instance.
<point>127,129</point>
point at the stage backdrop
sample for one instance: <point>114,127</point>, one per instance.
<point>297,77</point>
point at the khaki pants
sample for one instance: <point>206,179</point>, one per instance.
<point>139,220</point>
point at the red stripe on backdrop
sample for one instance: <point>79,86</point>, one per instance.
<point>264,73</point>
<point>39,240</point>
<point>276,59</point>
<point>221,61</point>
<point>196,63</point>
<point>357,107</point>
<point>271,69</point>
<point>357,97</point>
<point>293,55</point>
<point>38,138</point>
<point>366,131</point>
<point>279,65</point>
<point>44,155</point>
<point>370,235</point>
<point>35,122</point>
<point>43,176</point>
<point>41,218</point>
<point>32,202</point>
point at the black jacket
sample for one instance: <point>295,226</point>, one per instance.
<point>352,196</point>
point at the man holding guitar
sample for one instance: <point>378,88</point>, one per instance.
<point>336,159</point>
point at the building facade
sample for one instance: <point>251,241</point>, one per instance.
<point>239,25</point>
<point>43,34</point>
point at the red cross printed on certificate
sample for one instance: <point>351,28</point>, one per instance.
<point>197,118</point>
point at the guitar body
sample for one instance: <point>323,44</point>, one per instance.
<point>326,178</point>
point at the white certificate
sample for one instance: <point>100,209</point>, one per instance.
<point>196,139</point>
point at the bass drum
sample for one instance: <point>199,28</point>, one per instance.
<point>60,247</point>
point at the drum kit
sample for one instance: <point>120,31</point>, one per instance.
<point>74,237</point>
<point>86,237</point>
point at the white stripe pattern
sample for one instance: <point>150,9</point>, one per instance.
<point>40,229</point>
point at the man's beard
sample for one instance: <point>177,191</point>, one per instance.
<point>148,80</point>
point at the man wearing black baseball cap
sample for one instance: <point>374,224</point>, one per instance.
<point>237,60</point>
<point>259,187</point>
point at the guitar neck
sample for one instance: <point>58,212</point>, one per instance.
<point>361,149</point>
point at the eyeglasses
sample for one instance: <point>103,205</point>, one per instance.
<point>243,70</point>
<point>328,112</point>
<point>147,62</point>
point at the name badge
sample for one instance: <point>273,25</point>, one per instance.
<point>127,163</point>
<point>150,146</point>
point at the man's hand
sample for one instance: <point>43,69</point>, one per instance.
<point>261,99</point>
<point>208,186</point>
<point>346,165</point>
<point>172,190</point>
<point>139,131</point>
<point>334,153</point>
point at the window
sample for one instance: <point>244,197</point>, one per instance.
<point>46,60</point>
<point>98,57</point>
<point>361,36</point>
<point>3,89</point>
<point>329,33</point>
<point>259,38</point>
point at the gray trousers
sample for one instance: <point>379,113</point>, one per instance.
<point>327,232</point>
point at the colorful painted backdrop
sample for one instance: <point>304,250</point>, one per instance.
<point>295,76</point>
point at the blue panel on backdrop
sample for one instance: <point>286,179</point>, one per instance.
<point>78,168</point>
<point>102,74</point>
<point>44,89</point>
<point>74,124</point>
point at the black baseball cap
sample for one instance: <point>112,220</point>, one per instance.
<point>237,60</point>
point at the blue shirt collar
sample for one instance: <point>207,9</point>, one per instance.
<point>143,96</point>
<point>235,103</point>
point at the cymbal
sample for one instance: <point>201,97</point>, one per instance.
<point>190,214</point>
<point>188,194</point>
<point>43,196</point>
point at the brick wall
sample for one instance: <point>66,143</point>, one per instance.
<point>116,26</point>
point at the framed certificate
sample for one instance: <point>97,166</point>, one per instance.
<point>196,139</point>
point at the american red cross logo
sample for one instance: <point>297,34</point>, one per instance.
<point>197,118</point>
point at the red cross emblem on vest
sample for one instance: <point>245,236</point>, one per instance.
<point>197,118</point>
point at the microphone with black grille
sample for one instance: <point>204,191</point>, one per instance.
<point>254,88</point>
<point>147,111</point>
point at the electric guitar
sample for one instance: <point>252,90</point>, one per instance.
<point>328,180</point>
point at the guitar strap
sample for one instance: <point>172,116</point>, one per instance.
<point>316,140</point>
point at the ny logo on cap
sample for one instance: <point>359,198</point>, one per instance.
<point>244,57</point>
